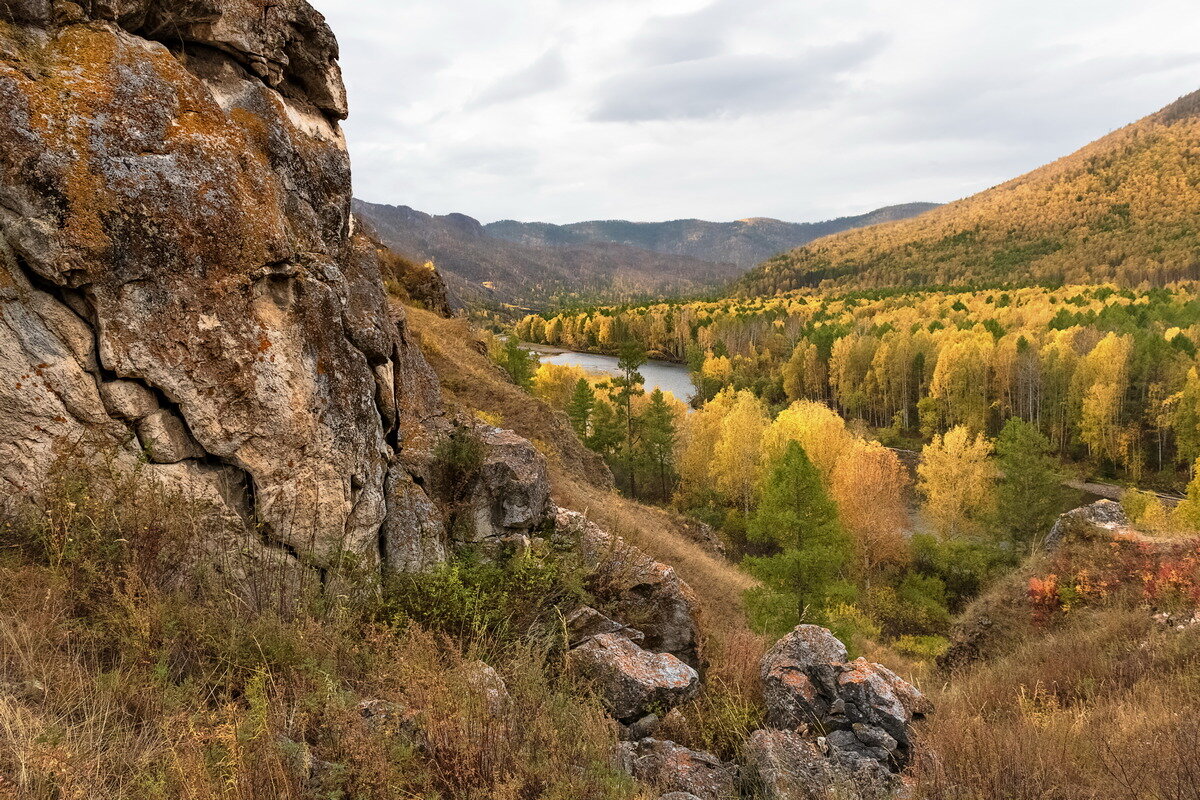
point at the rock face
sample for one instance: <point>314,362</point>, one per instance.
<point>1101,520</point>
<point>670,767</point>
<point>631,681</point>
<point>180,280</point>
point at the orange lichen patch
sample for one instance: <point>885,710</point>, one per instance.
<point>77,85</point>
<point>797,682</point>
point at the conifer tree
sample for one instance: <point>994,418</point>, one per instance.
<point>629,385</point>
<point>657,429</point>
<point>798,521</point>
<point>580,406</point>
<point>1028,488</point>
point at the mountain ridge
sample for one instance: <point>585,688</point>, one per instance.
<point>1125,208</point>
<point>509,263</point>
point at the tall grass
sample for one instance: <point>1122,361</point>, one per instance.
<point>120,680</point>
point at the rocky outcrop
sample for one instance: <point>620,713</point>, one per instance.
<point>836,728</point>
<point>180,281</point>
<point>645,594</point>
<point>860,707</point>
<point>630,681</point>
<point>670,767</point>
<point>1102,520</point>
<point>509,500</point>
<point>785,765</point>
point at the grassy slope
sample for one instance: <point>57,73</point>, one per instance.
<point>1125,207</point>
<point>578,478</point>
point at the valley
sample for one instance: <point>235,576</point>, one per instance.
<point>309,498</point>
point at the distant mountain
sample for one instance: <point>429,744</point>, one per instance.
<point>744,243</point>
<point>538,264</point>
<point>484,270</point>
<point>1124,208</point>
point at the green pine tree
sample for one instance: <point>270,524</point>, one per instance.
<point>630,385</point>
<point>607,429</point>
<point>1027,496</point>
<point>798,521</point>
<point>657,441</point>
<point>579,407</point>
<point>518,362</point>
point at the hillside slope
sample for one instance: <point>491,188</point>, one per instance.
<point>483,270</point>
<point>745,242</point>
<point>1124,208</point>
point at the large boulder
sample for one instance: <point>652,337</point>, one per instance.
<point>864,709</point>
<point>631,681</point>
<point>181,283</point>
<point>510,498</point>
<point>646,594</point>
<point>785,765</point>
<point>670,767</point>
<point>1101,521</point>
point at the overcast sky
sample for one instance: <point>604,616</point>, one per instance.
<point>566,110</point>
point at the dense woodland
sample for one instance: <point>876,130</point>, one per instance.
<point>792,454</point>
<point>1126,208</point>
<point>1108,376</point>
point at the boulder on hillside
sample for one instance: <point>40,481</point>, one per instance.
<point>1099,521</point>
<point>648,595</point>
<point>631,681</point>
<point>864,709</point>
<point>673,768</point>
<point>509,499</point>
<point>785,765</point>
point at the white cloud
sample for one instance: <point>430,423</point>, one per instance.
<point>564,110</point>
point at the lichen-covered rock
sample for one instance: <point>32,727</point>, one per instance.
<point>673,768</point>
<point>784,765</point>
<point>487,684</point>
<point>511,493</point>
<point>1099,521</point>
<point>179,276</point>
<point>646,594</point>
<point>865,710</point>
<point>631,681</point>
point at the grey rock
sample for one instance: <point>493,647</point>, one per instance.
<point>487,684</point>
<point>630,681</point>
<point>585,622</point>
<point>633,586</point>
<point>166,440</point>
<point>128,400</point>
<point>865,710</point>
<point>784,765</point>
<point>673,768</point>
<point>1099,521</point>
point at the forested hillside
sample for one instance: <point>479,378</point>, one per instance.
<point>1107,375</point>
<point>1126,208</point>
<point>484,271</point>
<point>744,243</point>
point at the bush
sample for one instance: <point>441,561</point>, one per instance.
<point>964,567</point>
<point>489,603</point>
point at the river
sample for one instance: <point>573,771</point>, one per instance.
<point>665,375</point>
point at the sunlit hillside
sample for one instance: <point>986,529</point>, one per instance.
<point>1124,208</point>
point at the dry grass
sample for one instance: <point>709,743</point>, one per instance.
<point>113,685</point>
<point>1107,706</point>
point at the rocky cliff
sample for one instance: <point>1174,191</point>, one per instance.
<point>181,283</point>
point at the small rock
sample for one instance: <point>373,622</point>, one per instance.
<point>675,768</point>
<point>128,400</point>
<point>585,622</point>
<point>631,681</point>
<point>488,683</point>
<point>1099,521</point>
